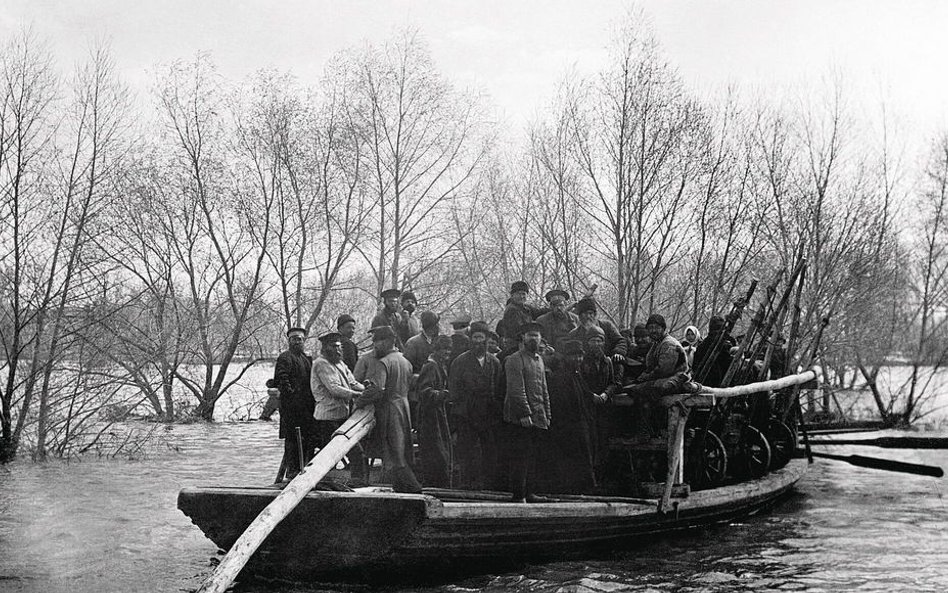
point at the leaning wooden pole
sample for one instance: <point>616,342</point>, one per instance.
<point>730,321</point>
<point>345,438</point>
<point>755,324</point>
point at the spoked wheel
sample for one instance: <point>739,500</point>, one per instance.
<point>706,460</point>
<point>753,454</point>
<point>782,443</point>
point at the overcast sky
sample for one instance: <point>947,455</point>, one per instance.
<point>517,51</point>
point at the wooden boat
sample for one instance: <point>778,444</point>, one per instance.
<point>372,531</point>
<point>375,531</point>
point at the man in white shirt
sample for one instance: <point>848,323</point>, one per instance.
<point>334,387</point>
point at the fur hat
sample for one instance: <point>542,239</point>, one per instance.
<point>585,304</point>
<point>656,319</point>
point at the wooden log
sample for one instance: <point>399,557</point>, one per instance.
<point>345,438</point>
<point>772,385</point>
<point>677,417</point>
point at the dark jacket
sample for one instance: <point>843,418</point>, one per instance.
<point>291,375</point>
<point>721,363</point>
<point>572,431</point>
<point>350,353</point>
<point>615,343</point>
<point>474,390</point>
<point>556,326</point>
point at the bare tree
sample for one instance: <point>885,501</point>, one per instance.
<point>638,138</point>
<point>218,207</point>
<point>424,142</point>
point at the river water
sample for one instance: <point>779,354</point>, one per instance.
<point>99,525</point>
<point>94,526</point>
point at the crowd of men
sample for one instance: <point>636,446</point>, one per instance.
<point>524,408</point>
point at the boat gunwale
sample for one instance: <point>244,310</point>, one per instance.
<point>436,509</point>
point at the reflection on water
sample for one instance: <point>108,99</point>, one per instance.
<point>95,526</point>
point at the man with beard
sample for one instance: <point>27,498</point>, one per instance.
<point>588,311</point>
<point>408,324</point>
<point>460,336</point>
<point>666,366</point>
<point>572,430</point>
<point>526,412</point>
<point>666,372</point>
<point>434,434</point>
<point>477,411</point>
<point>420,346</point>
<point>558,322</point>
<point>350,352</point>
<point>334,387</point>
<point>598,373</point>
<point>291,376</point>
<point>518,311</point>
<point>387,379</point>
<point>635,361</point>
<point>390,314</point>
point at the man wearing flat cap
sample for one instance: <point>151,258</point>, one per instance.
<point>517,311</point>
<point>526,411</point>
<point>345,325</point>
<point>477,412</point>
<point>389,314</point>
<point>334,387</point>
<point>417,350</point>
<point>558,322</point>
<point>297,427</point>
<point>460,337</point>
<point>420,346</point>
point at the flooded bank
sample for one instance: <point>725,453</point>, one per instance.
<point>94,525</point>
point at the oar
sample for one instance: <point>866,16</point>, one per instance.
<point>892,442</point>
<point>356,427</point>
<point>886,464</point>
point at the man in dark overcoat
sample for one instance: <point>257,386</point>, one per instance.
<point>477,411</point>
<point>297,426</point>
<point>345,324</point>
<point>558,322</point>
<point>434,433</point>
<point>569,467</point>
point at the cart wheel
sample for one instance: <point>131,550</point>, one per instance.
<point>753,454</point>
<point>782,443</point>
<point>706,460</point>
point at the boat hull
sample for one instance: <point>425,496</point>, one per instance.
<point>360,534</point>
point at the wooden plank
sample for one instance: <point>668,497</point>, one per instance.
<point>677,416</point>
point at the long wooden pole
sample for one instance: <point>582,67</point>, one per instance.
<point>772,385</point>
<point>345,438</point>
<point>886,464</point>
<point>731,320</point>
<point>890,442</point>
<point>755,324</point>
